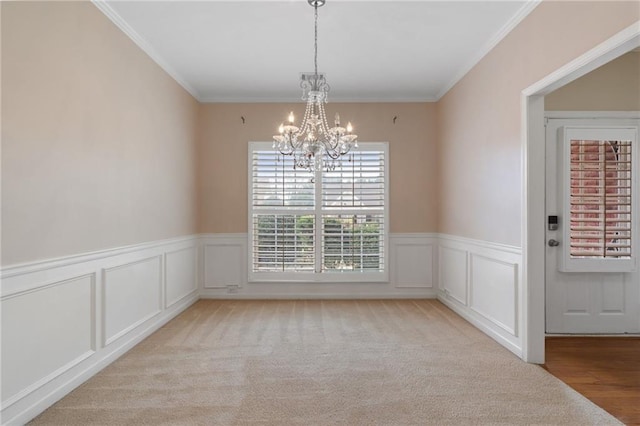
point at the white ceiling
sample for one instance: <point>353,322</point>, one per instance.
<point>253,51</point>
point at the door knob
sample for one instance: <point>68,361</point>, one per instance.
<point>553,243</point>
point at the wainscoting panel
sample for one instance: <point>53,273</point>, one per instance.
<point>225,272</point>
<point>225,260</point>
<point>180,274</point>
<point>65,319</point>
<point>481,282</point>
<point>413,261</point>
<point>453,273</point>
<point>132,293</point>
<point>494,291</point>
<point>36,348</point>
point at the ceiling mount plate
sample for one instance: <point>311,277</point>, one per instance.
<point>317,3</point>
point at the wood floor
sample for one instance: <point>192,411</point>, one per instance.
<point>604,369</point>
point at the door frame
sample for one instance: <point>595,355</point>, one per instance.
<point>533,181</point>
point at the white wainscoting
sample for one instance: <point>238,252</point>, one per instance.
<point>64,320</point>
<point>225,266</point>
<point>481,281</point>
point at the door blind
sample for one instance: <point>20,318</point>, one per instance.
<point>600,199</point>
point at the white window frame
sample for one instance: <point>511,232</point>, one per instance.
<point>317,211</point>
<point>566,134</point>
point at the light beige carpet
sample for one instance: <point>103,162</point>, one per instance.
<point>321,363</point>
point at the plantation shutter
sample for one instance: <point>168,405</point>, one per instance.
<point>601,199</point>
<point>358,181</point>
<point>353,242</point>
<point>281,242</point>
<point>276,183</point>
<point>354,196</point>
<point>318,226</point>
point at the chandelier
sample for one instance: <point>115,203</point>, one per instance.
<point>314,145</point>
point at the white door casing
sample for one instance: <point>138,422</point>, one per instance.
<point>595,297</point>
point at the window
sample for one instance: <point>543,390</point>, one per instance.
<point>600,181</point>
<point>323,226</point>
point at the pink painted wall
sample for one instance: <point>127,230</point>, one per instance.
<point>224,149</point>
<point>479,119</point>
<point>98,142</point>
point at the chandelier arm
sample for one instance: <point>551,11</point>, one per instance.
<point>333,154</point>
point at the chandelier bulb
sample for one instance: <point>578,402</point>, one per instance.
<point>281,128</point>
<point>291,117</point>
<point>337,120</point>
<point>349,127</point>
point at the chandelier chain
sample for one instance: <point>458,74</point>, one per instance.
<point>315,40</point>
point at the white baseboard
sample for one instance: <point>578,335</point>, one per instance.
<point>428,294</point>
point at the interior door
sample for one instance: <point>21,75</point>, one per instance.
<point>592,205</point>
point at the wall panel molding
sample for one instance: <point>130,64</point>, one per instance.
<point>224,272</point>
<point>63,307</point>
<point>413,260</point>
<point>481,281</point>
<point>131,295</point>
<point>180,274</point>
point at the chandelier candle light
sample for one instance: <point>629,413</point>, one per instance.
<point>314,145</point>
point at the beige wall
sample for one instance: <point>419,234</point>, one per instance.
<point>479,119</point>
<point>98,143</point>
<point>223,158</point>
<point>612,87</point>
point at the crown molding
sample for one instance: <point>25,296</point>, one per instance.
<point>247,100</point>
<point>522,13</point>
<point>146,47</point>
<point>119,22</point>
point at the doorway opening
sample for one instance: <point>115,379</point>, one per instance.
<point>533,181</point>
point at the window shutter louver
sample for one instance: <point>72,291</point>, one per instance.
<point>283,243</point>
<point>358,181</point>
<point>276,183</point>
<point>353,242</point>
<point>600,199</point>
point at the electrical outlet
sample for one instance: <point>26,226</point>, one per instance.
<point>233,288</point>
